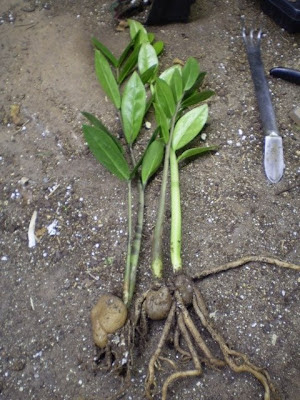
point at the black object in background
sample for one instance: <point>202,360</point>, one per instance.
<point>285,13</point>
<point>288,74</point>
<point>168,11</point>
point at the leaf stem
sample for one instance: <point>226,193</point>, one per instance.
<point>126,285</point>
<point>175,243</point>
<point>136,243</point>
<point>157,263</point>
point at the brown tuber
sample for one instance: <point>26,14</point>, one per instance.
<point>158,303</point>
<point>108,315</point>
<point>185,287</point>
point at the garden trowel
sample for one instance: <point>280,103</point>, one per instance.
<point>273,157</point>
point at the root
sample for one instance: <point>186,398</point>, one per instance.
<point>186,355</point>
<point>245,260</point>
<point>174,377</point>
<point>189,343</point>
<point>150,379</point>
<point>193,348</point>
<point>238,362</point>
<point>210,359</point>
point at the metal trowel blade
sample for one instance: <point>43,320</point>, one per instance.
<point>274,162</point>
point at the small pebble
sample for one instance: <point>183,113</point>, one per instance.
<point>295,115</point>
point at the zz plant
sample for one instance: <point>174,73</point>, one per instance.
<point>123,80</point>
<point>133,84</point>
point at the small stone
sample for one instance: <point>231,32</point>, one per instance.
<point>295,115</point>
<point>18,365</point>
<point>23,181</point>
<point>148,125</point>
<point>274,338</point>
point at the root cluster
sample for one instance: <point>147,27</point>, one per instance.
<point>182,308</point>
<point>186,311</point>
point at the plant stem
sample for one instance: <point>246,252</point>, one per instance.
<point>136,243</point>
<point>126,286</point>
<point>157,264</point>
<point>175,245</point>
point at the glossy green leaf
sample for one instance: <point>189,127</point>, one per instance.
<point>125,52</point>
<point>107,79</point>
<point>159,47</point>
<point>188,126</point>
<point>176,85</point>
<point>190,73</point>
<point>129,65</point>
<point>196,151</point>
<point>149,103</point>
<point>147,58</point>
<point>151,37</point>
<point>152,160</point>
<point>168,73</point>
<point>162,121</point>
<point>138,164</point>
<point>106,151</point>
<point>105,51</point>
<point>196,85</point>
<point>164,97</point>
<point>98,124</point>
<point>197,97</point>
<point>133,107</point>
<point>149,75</point>
<point>135,28</point>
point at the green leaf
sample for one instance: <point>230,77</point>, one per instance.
<point>125,52</point>
<point>197,97</point>
<point>133,107</point>
<point>196,151</point>
<point>147,58</point>
<point>138,164</point>
<point>98,124</point>
<point>105,51</point>
<point>190,73</point>
<point>135,28</point>
<point>107,79</point>
<point>149,103</point>
<point>168,73</point>
<point>162,121</point>
<point>129,65</point>
<point>164,97</point>
<point>176,85</point>
<point>151,37</point>
<point>188,126</point>
<point>152,160</point>
<point>106,151</point>
<point>196,85</point>
<point>158,46</point>
<point>149,75</point>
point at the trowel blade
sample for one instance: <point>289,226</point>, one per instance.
<point>274,162</point>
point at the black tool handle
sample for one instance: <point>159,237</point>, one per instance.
<point>288,74</point>
<point>266,109</point>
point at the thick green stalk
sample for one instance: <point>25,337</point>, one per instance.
<point>175,245</point>
<point>157,263</point>
<point>136,243</point>
<point>126,285</point>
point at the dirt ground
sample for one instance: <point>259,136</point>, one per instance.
<point>229,208</point>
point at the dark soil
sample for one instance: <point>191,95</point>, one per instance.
<point>229,208</point>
